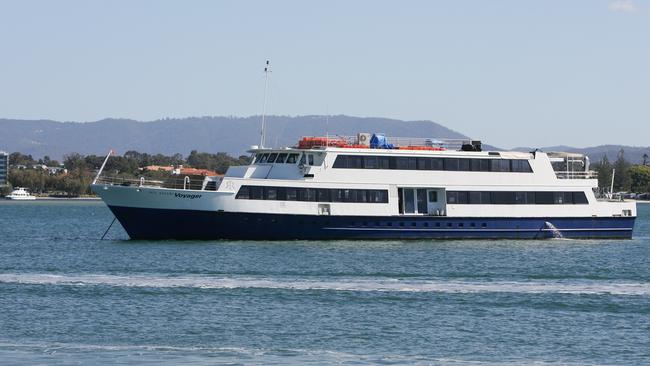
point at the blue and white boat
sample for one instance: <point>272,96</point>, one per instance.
<point>374,187</point>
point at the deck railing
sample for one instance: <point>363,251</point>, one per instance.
<point>175,182</point>
<point>338,141</point>
<point>576,175</point>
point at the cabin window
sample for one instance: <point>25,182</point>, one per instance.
<point>426,163</point>
<point>292,159</point>
<point>370,162</point>
<point>281,193</point>
<point>402,163</point>
<point>313,194</point>
<point>292,194</point>
<point>272,157</point>
<point>520,198</point>
<point>264,158</point>
<point>500,165</point>
<point>303,159</point>
<point>516,198</point>
<point>281,158</point>
<point>243,193</point>
<point>256,193</point>
<point>544,198</point>
<point>521,166</point>
<point>451,164</point>
<point>433,196</point>
<point>579,198</point>
<point>422,200</point>
<point>324,195</point>
<point>503,198</point>
<point>310,158</point>
<point>409,204</point>
<point>463,165</point>
<point>383,162</point>
<point>270,193</point>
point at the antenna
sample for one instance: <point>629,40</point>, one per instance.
<point>267,70</point>
<point>327,126</point>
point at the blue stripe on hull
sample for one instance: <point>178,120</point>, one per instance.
<point>142,223</point>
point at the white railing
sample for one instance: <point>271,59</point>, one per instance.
<point>576,175</point>
<point>339,141</point>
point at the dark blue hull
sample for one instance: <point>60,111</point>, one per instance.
<point>143,223</point>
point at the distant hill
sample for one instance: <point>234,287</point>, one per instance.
<point>633,154</point>
<point>225,134</point>
<point>209,134</point>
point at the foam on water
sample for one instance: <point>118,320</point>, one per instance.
<point>340,284</point>
<point>163,354</point>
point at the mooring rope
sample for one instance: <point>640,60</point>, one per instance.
<point>109,227</point>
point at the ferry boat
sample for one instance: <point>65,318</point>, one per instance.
<point>371,186</point>
<point>20,194</point>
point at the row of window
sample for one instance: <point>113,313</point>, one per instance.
<point>312,194</point>
<point>284,158</point>
<point>426,163</point>
<point>516,198</point>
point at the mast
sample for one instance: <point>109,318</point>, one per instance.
<point>267,70</point>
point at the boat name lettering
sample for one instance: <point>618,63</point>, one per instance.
<point>189,196</point>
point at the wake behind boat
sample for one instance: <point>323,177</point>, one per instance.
<point>373,187</point>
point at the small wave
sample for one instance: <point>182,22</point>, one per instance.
<point>340,284</point>
<point>164,354</point>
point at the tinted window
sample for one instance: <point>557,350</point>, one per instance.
<point>370,162</point>
<point>475,198</point>
<point>256,193</point>
<point>270,193</point>
<point>579,198</point>
<point>264,158</point>
<point>402,163</point>
<point>354,162</point>
<point>324,195</point>
<point>281,158</point>
<point>426,163</point>
<point>503,198</point>
<point>384,162</point>
<point>313,194</point>
<point>544,198</point>
<point>500,165</point>
<point>272,157</point>
<point>464,165</point>
<point>243,193</point>
<point>451,164</point>
<point>521,166</point>
<point>292,158</point>
<point>452,197</point>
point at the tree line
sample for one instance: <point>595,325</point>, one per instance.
<point>82,168</point>
<point>627,177</point>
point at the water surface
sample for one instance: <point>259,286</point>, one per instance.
<point>68,298</point>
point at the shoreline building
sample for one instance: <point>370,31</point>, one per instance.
<point>4,168</point>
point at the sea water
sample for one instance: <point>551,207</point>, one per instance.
<point>69,298</point>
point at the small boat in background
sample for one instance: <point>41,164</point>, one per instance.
<point>20,194</point>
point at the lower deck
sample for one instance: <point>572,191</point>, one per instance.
<point>148,223</point>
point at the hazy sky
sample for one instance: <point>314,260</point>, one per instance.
<point>512,73</point>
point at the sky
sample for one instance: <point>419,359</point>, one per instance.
<point>511,73</point>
